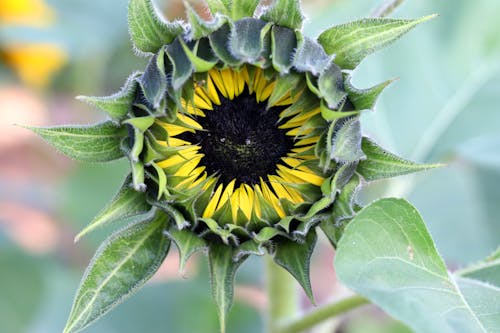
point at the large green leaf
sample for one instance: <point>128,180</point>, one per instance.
<point>97,143</point>
<point>147,29</point>
<point>381,164</point>
<point>121,265</point>
<point>352,42</point>
<point>127,203</point>
<point>387,255</point>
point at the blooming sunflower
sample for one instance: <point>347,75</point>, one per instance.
<point>243,137</point>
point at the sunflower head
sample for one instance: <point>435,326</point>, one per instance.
<point>243,136</point>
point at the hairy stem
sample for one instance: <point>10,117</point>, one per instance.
<point>320,315</point>
<point>386,8</point>
<point>282,296</point>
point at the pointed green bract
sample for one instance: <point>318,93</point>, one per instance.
<point>219,6</point>
<point>331,86</point>
<point>187,243</point>
<point>387,255</point>
<point>296,258</point>
<point>352,42</point>
<point>127,204</point>
<point>122,264</point>
<point>243,8</point>
<point>154,80</point>
<point>117,106</point>
<point>250,40</point>
<point>310,57</point>
<point>98,143</point>
<point>283,45</point>
<point>148,31</point>
<point>365,99</point>
<point>222,271</point>
<point>199,27</point>
<point>382,164</point>
<point>286,13</point>
<point>346,145</point>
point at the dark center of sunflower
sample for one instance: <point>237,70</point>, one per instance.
<point>241,139</point>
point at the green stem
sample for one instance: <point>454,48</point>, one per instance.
<point>282,296</point>
<point>315,317</point>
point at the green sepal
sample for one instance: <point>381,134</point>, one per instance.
<point>284,84</point>
<point>118,105</point>
<point>381,164</point>
<point>125,205</point>
<point>222,271</point>
<point>96,143</point>
<point>121,265</point>
<point>243,8</point>
<point>225,235</point>
<point>199,64</point>
<point>187,242</point>
<point>171,211</point>
<point>154,80</point>
<point>365,99</point>
<point>344,207</point>
<point>141,123</point>
<point>266,234</point>
<point>352,42</point>
<point>182,67</point>
<point>250,41</point>
<point>286,13</point>
<point>199,27</point>
<point>331,231</point>
<point>346,143</point>
<point>296,259</point>
<point>331,115</point>
<point>283,45</point>
<point>334,184</point>
<point>162,181</point>
<point>250,247</point>
<point>331,86</point>
<point>149,32</point>
<point>310,57</point>
<point>220,46</point>
<point>138,175</point>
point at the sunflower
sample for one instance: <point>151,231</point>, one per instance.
<point>243,137</point>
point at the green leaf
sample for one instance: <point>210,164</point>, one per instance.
<point>365,99</point>
<point>154,80</point>
<point>122,264</point>
<point>346,145</point>
<point>249,40</point>
<point>387,255</point>
<point>380,164</point>
<point>352,42</point>
<point>310,57</point>
<point>487,271</point>
<point>222,271</point>
<point>331,86</point>
<point>219,6</point>
<point>117,106</point>
<point>286,13</point>
<point>283,45</point>
<point>97,143</point>
<point>187,242</point>
<point>295,258</point>
<point>147,29</point>
<point>126,204</point>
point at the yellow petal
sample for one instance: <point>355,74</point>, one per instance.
<point>188,167</point>
<point>219,83</point>
<point>189,108</point>
<point>227,79</point>
<point>212,92</point>
<point>210,210</point>
<point>189,121</point>
<point>228,192</point>
<point>201,103</point>
<point>272,199</point>
<point>307,177</point>
<point>174,130</point>
<point>33,13</point>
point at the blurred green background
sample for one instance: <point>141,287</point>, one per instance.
<point>442,109</point>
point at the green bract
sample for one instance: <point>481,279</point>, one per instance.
<point>243,137</point>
